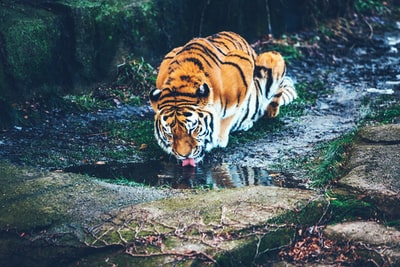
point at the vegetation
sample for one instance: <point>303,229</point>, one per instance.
<point>383,110</point>
<point>329,165</point>
<point>371,7</point>
<point>138,75</point>
<point>139,134</point>
<point>349,207</point>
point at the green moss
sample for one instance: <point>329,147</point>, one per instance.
<point>30,38</point>
<point>390,113</point>
<point>308,215</point>
<point>371,7</point>
<point>258,249</point>
<point>329,165</point>
<point>348,207</point>
<point>394,223</point>
<point>280,232</point>
<point>18,212</point>
<point>139,133</point>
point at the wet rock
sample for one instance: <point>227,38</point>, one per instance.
<point>382,134</point>
<point>374,171</point>
<point>29,38</point>
<point>62,46</point>
<point>59,217</point>
<point>231,227</point>
<point>380,241</point>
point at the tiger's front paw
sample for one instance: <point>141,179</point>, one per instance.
<point>223,141</point>
<point>272,110</point>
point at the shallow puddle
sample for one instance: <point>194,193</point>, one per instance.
<point>158,173</point>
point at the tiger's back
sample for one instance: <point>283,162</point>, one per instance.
<point>208,88</point>
<point>210,60</point>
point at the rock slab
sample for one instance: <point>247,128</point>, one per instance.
<point>374,168</point>
<point>63,219</point>
<point>374,177</point>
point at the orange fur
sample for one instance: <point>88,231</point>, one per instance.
<point>210,87</point>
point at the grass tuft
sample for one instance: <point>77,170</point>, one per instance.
<point>330,164</point>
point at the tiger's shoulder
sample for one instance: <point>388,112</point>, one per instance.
<point>203,60</point>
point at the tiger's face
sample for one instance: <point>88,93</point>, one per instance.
<point>182,122</point>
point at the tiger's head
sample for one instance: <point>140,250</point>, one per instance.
<point>184,124</point>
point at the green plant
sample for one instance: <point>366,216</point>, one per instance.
<point>138,75</point>
<point>371,6</point>
<point>389,114</point>
<point>123,181</point>
<point>330,163</point>
<point>349,207</point>
<point>86,102</point>
<point>138,133</point>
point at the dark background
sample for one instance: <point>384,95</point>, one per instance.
<point>67,46</point>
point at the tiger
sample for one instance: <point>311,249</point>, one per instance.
<point>213,86</point>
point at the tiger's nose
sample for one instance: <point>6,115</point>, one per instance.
<point>183,153</point>
<point>183,149</point>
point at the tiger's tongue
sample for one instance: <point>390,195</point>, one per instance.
<point>188,162</point>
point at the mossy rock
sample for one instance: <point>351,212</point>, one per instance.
<point>143,226</point>
<point>30,37</point>
<point>64,46</point>
<point>231,227</point>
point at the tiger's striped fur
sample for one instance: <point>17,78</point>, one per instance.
<point>213,86</point>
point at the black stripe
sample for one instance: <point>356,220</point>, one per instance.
<point>160,136</point>
<point>241,57</point>
<point>185,78</point>
<point>221,43</point>
<point>173,104</point>
<point>196,61</point>
<point>257,107</point>
<point>269,82</point>
<point>177,104</point>
<point>258,86</point>
<point>176,94</point>
<point>245,115</point>
<point>273,104</point>
<point>257,71</point>
<point>232,39</point>
<point>210,125</point>
<point>240,71</point>
<point>204,49</point>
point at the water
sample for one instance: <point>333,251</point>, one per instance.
<point>159,173</point>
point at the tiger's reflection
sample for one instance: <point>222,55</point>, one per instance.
<point>219,176</point>
<point>170,174</point>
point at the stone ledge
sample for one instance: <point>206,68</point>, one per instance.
<point>73,214</point>
<point>374,169</point>
<point>382,243</point>
<point>389,133</point>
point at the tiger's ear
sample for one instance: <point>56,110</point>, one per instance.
<point>155,95</point>
<point>203,90</point>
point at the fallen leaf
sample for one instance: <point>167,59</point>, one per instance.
<point>143,146</point>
